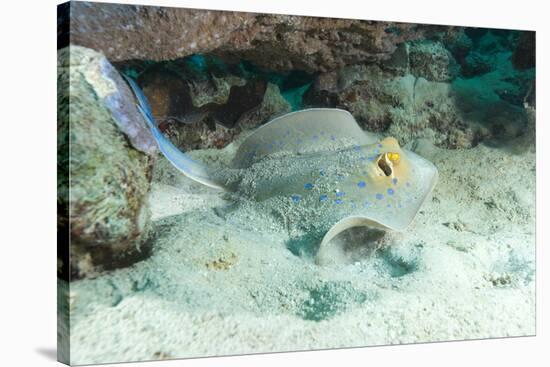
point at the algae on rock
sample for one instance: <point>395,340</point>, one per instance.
<point>432,61</point>
<point>108,178</point>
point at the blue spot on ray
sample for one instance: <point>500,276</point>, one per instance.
<point>379,196</point>
<point>308,186</point>
<point>338,201</point>
<point>323,198</point>
<point>340,193</point>
<point>394,181</point>
<point>296,198</point>
<point>361,184</point>
<point>390,191</point>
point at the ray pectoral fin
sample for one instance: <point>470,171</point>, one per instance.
<point>301,131</point>
<point>399,200</point>
<point>328,254</point>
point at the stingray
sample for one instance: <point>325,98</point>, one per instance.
<point>322,165</point>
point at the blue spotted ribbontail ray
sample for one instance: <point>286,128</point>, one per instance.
<point>329,173</point>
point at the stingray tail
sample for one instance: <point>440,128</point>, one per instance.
<point>189,167</point>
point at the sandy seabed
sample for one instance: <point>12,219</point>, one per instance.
<point>221,280</point>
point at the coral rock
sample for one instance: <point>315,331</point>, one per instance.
<point>406,107</point>
<point>209,132</point>
<point>362,90</point>
<point>103,178</point>
<point>275,42</point>
<point>432,61</point>
<point>272,105</point>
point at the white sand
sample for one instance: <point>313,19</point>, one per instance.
<point>222,281</point>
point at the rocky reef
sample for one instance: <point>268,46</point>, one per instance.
<point>274,42</point>
<point>454,91</point>
<point>422,91</point>
<point>105,156</point>
<point>212,75</point>
<point>209,74</point>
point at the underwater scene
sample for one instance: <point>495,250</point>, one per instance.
<point>235,183</point>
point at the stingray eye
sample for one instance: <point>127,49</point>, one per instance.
<point>393,157</point>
